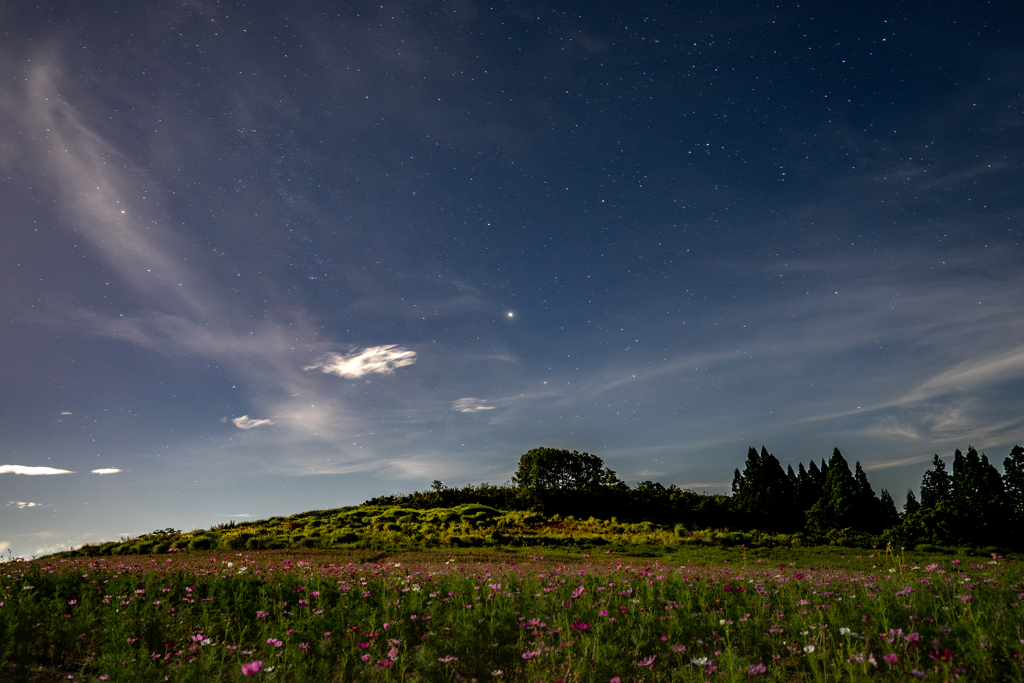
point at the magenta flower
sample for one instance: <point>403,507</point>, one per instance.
<point>252,668</point>
<point>365,658</point>
<point>890,658</point>
<point>579,625</point>
<point>578,592</point>
<point>679,649</point>
<point>647,661</point>
<point>755,669</point>
<point>447,658</point>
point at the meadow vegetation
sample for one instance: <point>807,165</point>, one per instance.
<point>565,574</point>
<point>475,615</point>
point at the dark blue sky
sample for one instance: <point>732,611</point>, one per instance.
<point>270,257</point>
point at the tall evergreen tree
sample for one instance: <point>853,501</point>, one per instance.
<point>889,517</point>
<point>1013,482</point>
<point>866,507</point>
<point>936,484</point>
<point>911,505</point>
<point>811,482</point>
<point>836,507</point>
<point>763,493</point>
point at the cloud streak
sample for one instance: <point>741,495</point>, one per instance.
<point>106,470</point>
<point>246,422</point>
<point>31,471</point>
<point>470,405</point>
<point>379,360</point>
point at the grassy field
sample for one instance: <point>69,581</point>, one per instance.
<point>694,614</point>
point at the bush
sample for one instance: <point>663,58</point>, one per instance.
<point>201,543</point>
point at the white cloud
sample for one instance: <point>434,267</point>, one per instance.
<point>66,413</point>
<point>51,549</point>
<point>106,470</point>
<point>32,471</point>
<point>244,514</point>
<point>382,360</point>
<point>470,405</point>
<point>21,505</point>
<point>246,422</point>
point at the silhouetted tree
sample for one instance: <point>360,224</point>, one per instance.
<point>763,494</point>
<point>837,505</point>
<point>867,512</point>
<point>889,517</point>
<point>911,505</point>
<point>1013,482</point>
<point>936,484</point>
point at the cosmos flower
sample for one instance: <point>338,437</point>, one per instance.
<point>252,668</point>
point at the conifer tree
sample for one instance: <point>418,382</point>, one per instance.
<point>889,517</point>
<point>762,493</point>
<point>936,484</point>
<point>1013,482</point>
<point>911,505</point>
<point>866,509</point>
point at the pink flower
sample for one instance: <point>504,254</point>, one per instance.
<point>679,649</point>
<point>755,669</point>
<point>579,625</point>
<point>603,613</point>
<point>890,658</point>
<point>578,592</point>
<point>647,661</point>
<point>365,658</point>
<point>252,668</point>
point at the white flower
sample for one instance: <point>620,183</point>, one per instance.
<point>808,649</point>
<point>700,661</point>
<point>843,631</point>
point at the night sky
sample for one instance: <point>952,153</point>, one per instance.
<point>267,257</point>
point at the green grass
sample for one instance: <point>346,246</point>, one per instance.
<point>532,615</point>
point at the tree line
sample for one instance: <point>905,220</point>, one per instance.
<point>974,504</point>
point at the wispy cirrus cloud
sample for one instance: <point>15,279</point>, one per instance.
<point>470,405</point>
<point>106,470</point>
<point>31,471</point>
<point>21,504</point>
<point>380,360</point>
<point>246,422</point>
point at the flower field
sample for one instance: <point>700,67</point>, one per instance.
<point>322,616</point>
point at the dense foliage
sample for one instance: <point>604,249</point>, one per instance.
<point>566,498</point>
